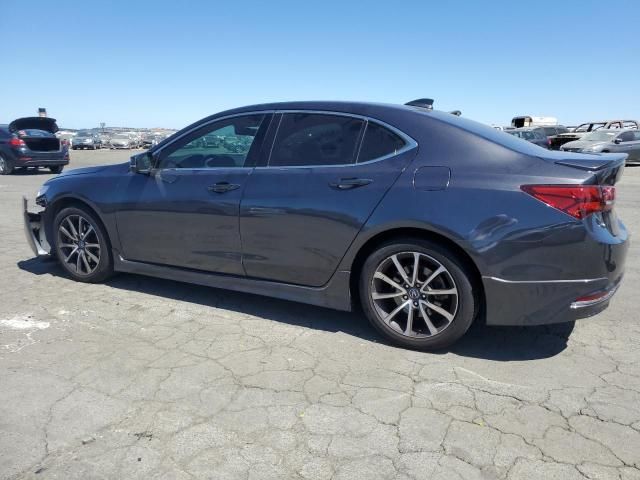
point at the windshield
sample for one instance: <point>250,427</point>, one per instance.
<point>599,136</point>
<point>526,134</point>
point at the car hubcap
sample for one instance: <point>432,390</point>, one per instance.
<point>2,165</point>
<point>414,294</point>
<point>79,244</point>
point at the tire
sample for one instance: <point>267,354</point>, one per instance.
<point>454,312</point>
<point>73,263</point>
<point>6,167</point>
<point>56,168</point>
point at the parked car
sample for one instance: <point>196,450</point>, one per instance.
<point>424,218</point>
<point>583,129</point>
<point>533,135</point>
<point>148,140</point>
<point>31,142</point>
<point>122,140</point>
<point>553,130</point>
<point>605,141</point>
<point>86,140</point>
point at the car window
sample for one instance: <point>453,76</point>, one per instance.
<point>379,142</point>
<point>626,137</point>
<point>630,124</point>
<point>562,130</point>
<point>549,131</point>
<point>636,135</point>
<point>305,139</point>
<point>222,144</point>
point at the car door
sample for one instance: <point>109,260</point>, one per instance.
<point>624,143</point>
<point>305,204</point>
<point>634,150</point>
<point>185,213</point>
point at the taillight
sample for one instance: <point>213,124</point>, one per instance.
<point>578,201</point>
<point>17,142</point>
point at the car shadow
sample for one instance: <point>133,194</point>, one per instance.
<point>31,171</point>
<point>481,341</point>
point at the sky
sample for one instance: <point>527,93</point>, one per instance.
<point>168,63</point>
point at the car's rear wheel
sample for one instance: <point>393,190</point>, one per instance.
<point>6,168</point>
<point>82,245</point>
<point>419,294</point>
<point>56,168</point>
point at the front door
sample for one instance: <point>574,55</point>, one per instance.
<point>185,213</point>
<point>301,211</point>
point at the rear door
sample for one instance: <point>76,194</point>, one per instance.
<point>305,205</point>
<point>634,150</point>
<point>186,213</point>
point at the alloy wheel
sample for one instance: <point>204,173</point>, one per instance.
<point>414,294</point>
<point>79,244</point>
<point>3,165</point>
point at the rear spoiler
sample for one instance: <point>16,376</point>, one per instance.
<point>594,162</point>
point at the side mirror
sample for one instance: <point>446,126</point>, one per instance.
<point>141,163</point>
<point>617,140</point>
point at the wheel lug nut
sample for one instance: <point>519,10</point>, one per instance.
<point>404,297</point>
<point>424,296</point>
<point>415,304</point>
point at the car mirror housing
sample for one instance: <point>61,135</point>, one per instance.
<point>617,140</point>
<point>141,163</point>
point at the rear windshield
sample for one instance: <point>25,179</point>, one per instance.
<point>485,131</point>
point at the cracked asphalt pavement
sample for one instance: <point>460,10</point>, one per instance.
<point>146,378</point>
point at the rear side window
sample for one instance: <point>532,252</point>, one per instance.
<point>306,139</point>
<point>379,142</point>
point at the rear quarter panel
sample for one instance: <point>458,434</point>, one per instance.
<point>507,233</point>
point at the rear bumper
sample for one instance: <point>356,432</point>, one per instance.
<point>34,231</point>
<point>539,303</point>
<point>40,159</point>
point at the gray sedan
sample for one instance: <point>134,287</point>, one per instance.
<point>605,141</point>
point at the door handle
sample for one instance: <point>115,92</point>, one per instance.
<point>349,183</point>
<point>222,187</point>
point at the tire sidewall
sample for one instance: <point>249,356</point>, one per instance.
<point>8,166</point>
<point>105,265</point>
<point>467,294</point>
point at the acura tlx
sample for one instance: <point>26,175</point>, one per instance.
<point>425,220</point>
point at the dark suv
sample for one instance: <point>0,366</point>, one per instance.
<point>30,142</point>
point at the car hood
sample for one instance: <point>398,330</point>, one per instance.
<point>99,169</point>
<point>120,140</point>
<point>36,123</point>
<point>583,144</point>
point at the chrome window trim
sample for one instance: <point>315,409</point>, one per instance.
<point>410,143</point>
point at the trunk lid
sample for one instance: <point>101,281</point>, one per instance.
<point>34,123</point>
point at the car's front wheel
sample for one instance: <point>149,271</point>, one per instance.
<point>56,168</point>
<point>5,166</point>
<point>419,294</point>
<point>82,246</point>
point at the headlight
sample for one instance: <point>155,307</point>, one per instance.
<point>41,199</point>
<point>42,191</point>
